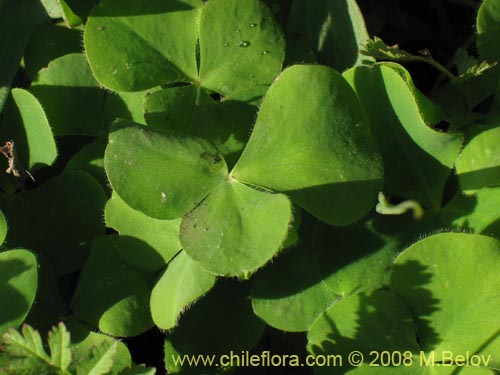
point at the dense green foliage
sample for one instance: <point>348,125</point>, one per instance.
<point>244,175</point>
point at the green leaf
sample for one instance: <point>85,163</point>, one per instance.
<point>469,66</point>
<point>443,298</point>
<point>430,112</point>
<point>190,111</point>
<point>52,8</point>
<point>289,294</point>
<point>377,49</point>
<point>145,242</point>
<point>99,361</point>
<point>58,219</point>
<point>90,159</point>
<point>24,122</point>
<point>164,176</point>
<point>323,156</point>
<point>182,283</point>
<point>3,228</point>
<point>487,40</point>
<point>18,18</point>
<point>111,295</point>
<point>139,370</point>
<point>137,56</point>
<point>48,43</point>
<point>82,7</point>
<point>478,165</point>
<point>70,18</point>
<point>49,306</point>
<point>236,229</point>
<point>126,105</point>
<point>380,330</point>
<point>334,30</point>
<point>457,275</point>
<point>488,30</point>
<point>26,353</point>
<point>476,213</point>
<point>364,322</point>
<point>417,159</point>
<point>241,45</point>
<point>69,77</point>
<point>18,286</point>
<point>59,344</point>
<point>220,322</point>
<point>355,259</point>
<point>85,342</point>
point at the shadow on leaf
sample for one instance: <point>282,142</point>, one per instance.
<point>12,304</point>
<point>376,321</point>
<point>144,8</point>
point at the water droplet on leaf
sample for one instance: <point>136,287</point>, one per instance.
<point>265,52</point>
<point>244,44</point>
<point>253,25</point>
<point>226,44</point>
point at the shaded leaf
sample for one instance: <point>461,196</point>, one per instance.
<point>111,295</point>
<point>18,18</point>
<point>66,87</point>
<point>289,294</point>
<point>476,213</point>
<point>18,286</point>
<point>334,30</point>
<point>478,165</point>
<point>456,274</point>
<point>417,159</point>
<point>469,66</point>
<point>221,321</point>
<point>49,307</point>
<point>44,219</point>
<point>145,242</point>
<point>488,30</point>
<point>363,323</point>
<point>70,18</point>
<point>48,43</point>
<point>24,122</point>
<point>125,105</point>
<point>90,159</point>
